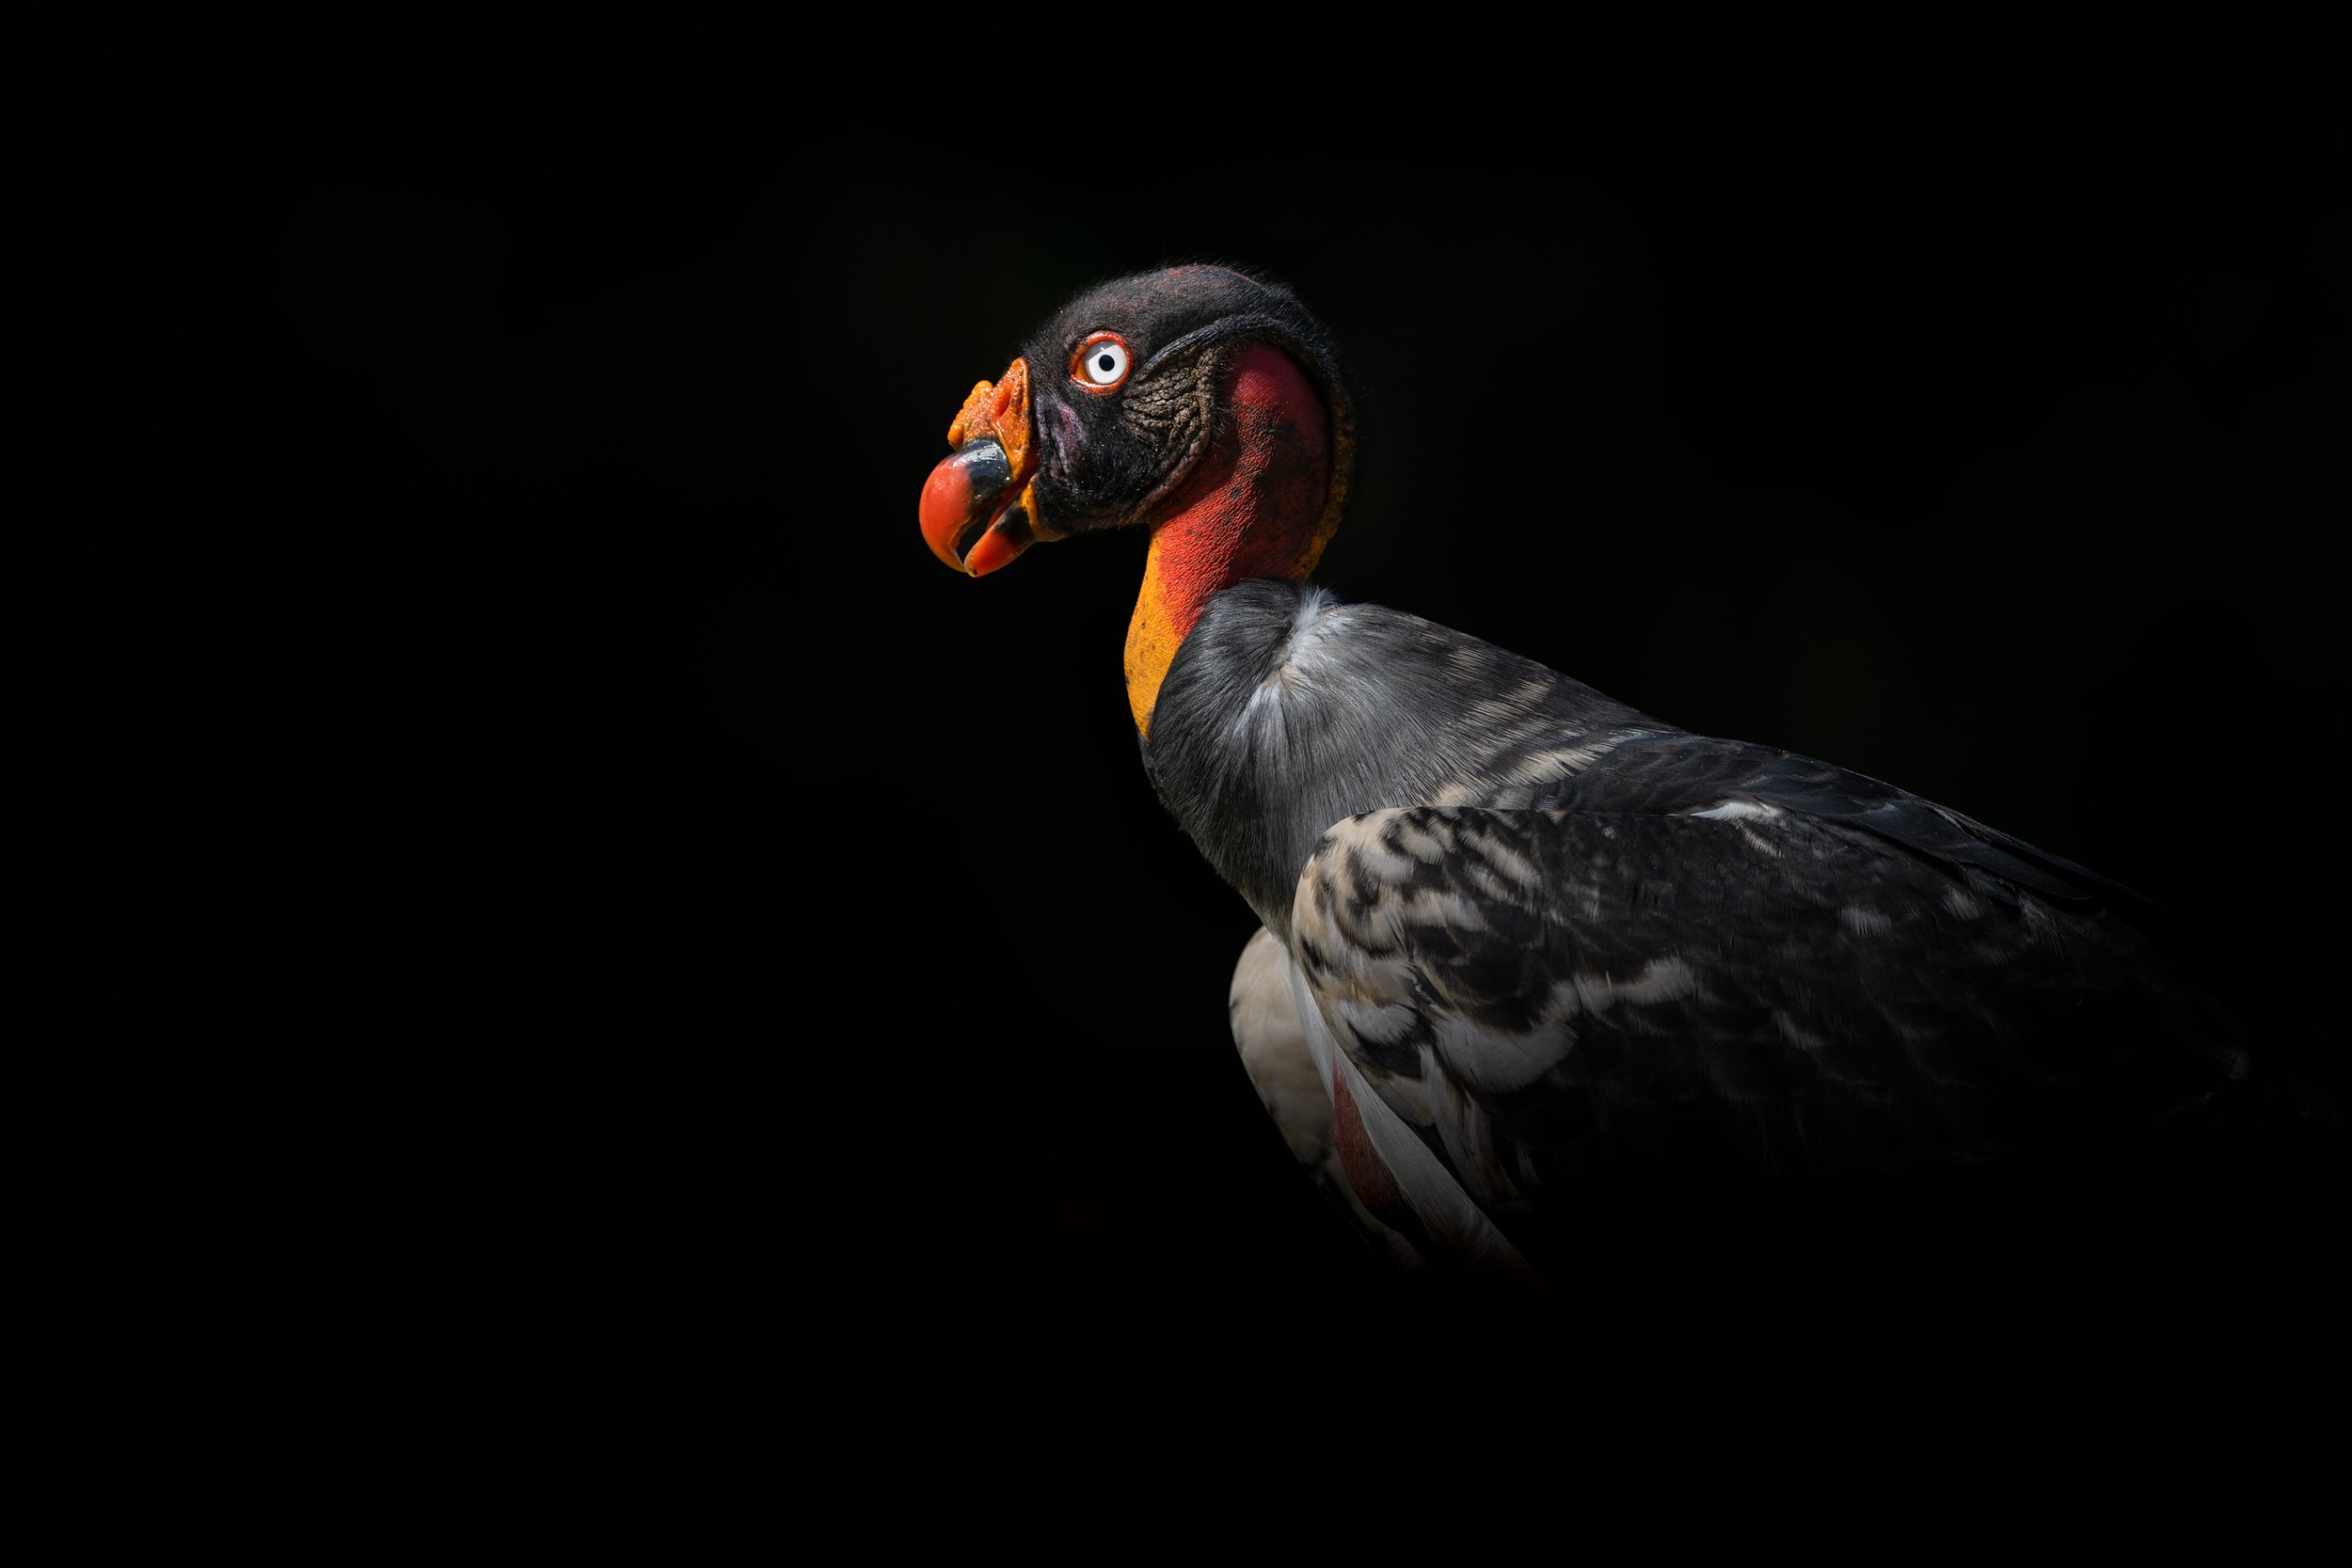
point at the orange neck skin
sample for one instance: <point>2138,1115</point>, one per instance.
<point>1254,506</point>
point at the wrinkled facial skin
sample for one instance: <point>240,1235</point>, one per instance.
<point>1107,458</point>
<point>1094,470</point>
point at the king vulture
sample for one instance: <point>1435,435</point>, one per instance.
<point>1531,958</point>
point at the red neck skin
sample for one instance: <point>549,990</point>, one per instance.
<point>1252,507</point>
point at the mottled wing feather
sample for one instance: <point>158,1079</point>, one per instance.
<point>1270,1035</point>
<point>1765,967</point>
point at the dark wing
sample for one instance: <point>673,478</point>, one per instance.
<point>1664,774</point>
<point>1700,957</point>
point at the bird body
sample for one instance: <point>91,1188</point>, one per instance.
<point>1583,908</point>
<point>1541,948</point>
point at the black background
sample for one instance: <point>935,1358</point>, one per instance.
<point>512,826</point>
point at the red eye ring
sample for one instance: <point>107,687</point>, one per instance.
<point>1084,367</point>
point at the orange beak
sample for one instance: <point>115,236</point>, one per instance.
<point>981,489</point>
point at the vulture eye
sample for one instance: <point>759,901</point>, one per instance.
<point>1100,363</point>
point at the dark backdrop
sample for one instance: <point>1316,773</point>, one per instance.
<point>509,823</point>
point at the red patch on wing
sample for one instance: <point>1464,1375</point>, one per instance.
<point>1366,1173</point>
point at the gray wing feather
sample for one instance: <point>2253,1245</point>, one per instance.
<point>1530,989</point>
<point>1270,1032</point>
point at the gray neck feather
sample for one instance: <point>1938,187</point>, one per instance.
<point>1287,710</point>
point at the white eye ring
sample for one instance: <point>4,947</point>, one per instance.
<point>1106,363</point>
<point>1100,363</point>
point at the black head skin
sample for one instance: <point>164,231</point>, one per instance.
<point>1107,458</point>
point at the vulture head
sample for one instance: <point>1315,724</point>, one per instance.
<point>1195,401</point>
